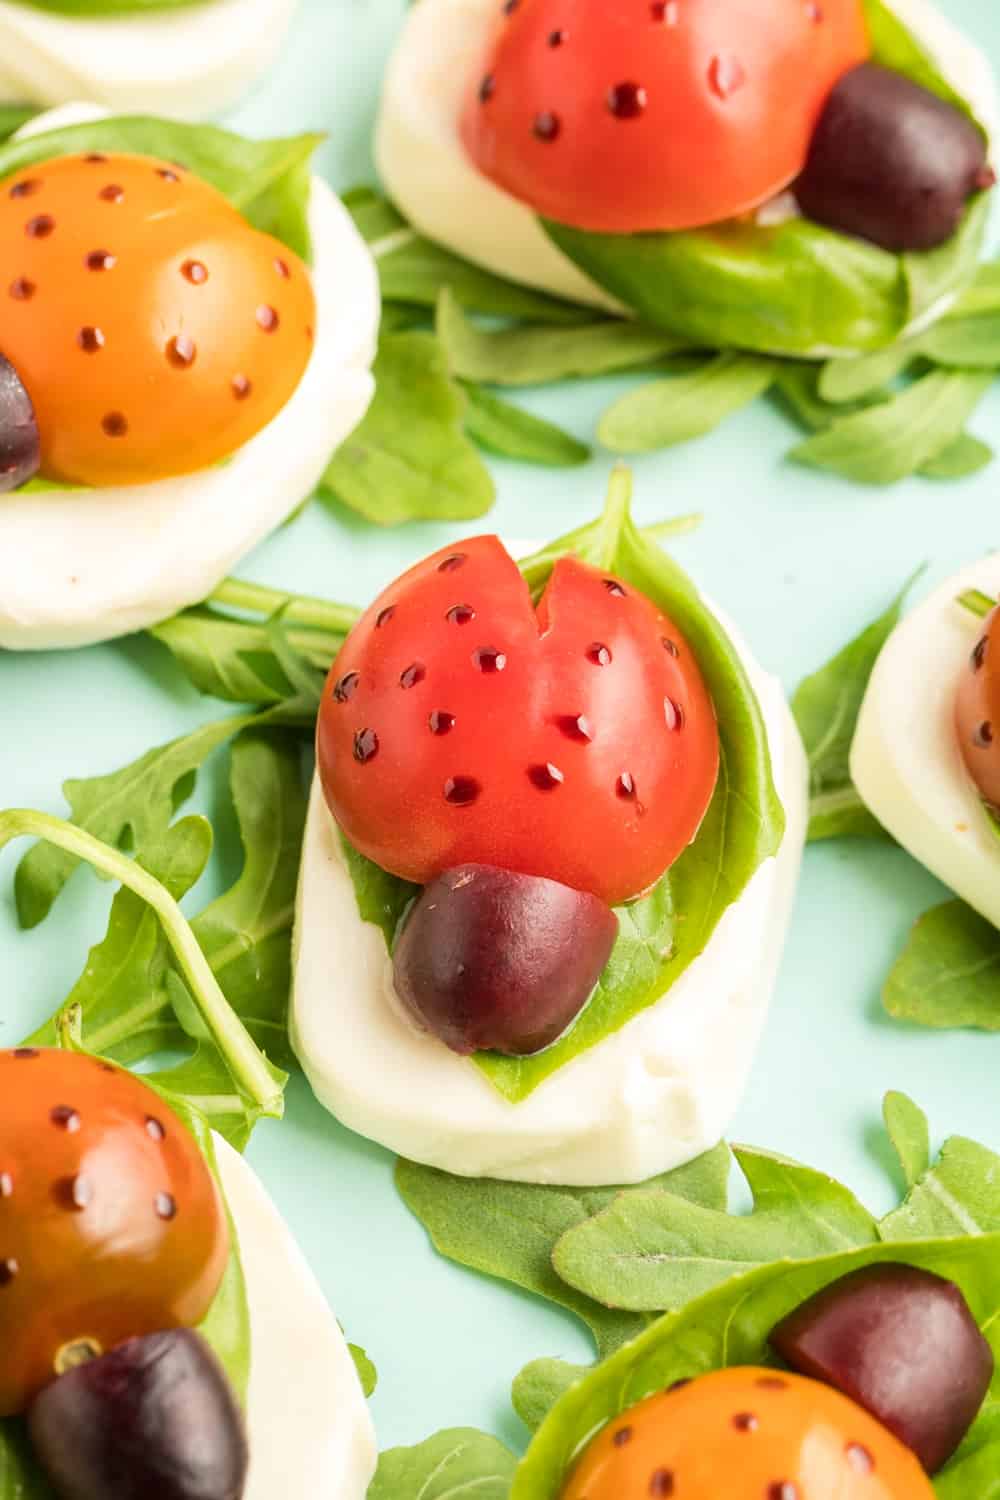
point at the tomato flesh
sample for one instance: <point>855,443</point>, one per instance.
<point>627,117</point>
<point>977,711</point>
<point>111,1224</point>
<point>459,726</point>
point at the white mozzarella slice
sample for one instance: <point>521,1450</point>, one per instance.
<point>308,1422</point>
<point>191,62</point>
<point>652,1096</point>
<point>426,171</point>
<point>79,566</point>
<point>905,760</point>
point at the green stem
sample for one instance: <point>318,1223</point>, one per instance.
<point>662,531</point>
<point>616,510</point>
<point>304,609</point>
<point>977,603</point>
<point>248,1064</point>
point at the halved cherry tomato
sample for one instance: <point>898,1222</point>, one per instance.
<point>747,1434</point>
<point>460,727</point>
<point>654,114</point>
<point>977,711</point>
<point>111,1224</point>
<point>154,330</point>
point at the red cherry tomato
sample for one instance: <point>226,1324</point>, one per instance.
<point>460,727</point>
<point>111,1224</point>
<point>629,115</point>
<point>977,711</point>
<point>748,1434</point>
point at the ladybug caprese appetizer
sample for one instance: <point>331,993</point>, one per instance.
<point>162,1334</point>
<point>190,58</point>
<point>530,942</point>
<point>883,1373</point>
<point>752,176</point>
<point>173,377</point>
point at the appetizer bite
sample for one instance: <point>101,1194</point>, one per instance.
<point>548,864</point>
<point>174,374</point>
<point>191,58</point>
<point>162,1333</point>
<point>757,180</point>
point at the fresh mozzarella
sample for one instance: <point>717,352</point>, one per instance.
<point>307,1419</point>
<point>655,1094</point>
<point>906,762</point>
<point>78,566</point>
<point>427,173</point>
<point>191,62</point>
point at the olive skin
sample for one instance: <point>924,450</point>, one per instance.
<point>492,960</point>
<point>900,1342</point>
<point>20,448</point>
<point>155,1419</point>
<point>892,163</point>
<point>977,711</point>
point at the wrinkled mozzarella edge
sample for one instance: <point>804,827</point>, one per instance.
<point>82,566</point>
<point>308,1422</point>
<point>652,1096</point>
<point>905,760</point>
<point>190,62</point>
<point>426,172</point>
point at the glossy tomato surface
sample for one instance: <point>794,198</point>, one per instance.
<point>654,116</point>
<point>111,1224</point>
<point>977,711</point>
<point>154,330</point>
<point>461,726</point>
<point>747,1434</point>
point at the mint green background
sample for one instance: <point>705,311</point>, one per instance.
<point>801,562</point>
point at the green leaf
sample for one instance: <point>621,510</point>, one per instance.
<point>268,181</point>
<point>826,707</point>
<point>539,355</point>
<point>107,7</point>
<point>507,430</point>
<point>852,379</point>
<point>382,898</point>
<point>682,407</point>
<point>909,1133</point>
<point>971,342</point>
<point>458,1464</point>
<point>964,456</point>
<point>958,1195</point>
<point>949,972</point>
<point>649,1251</point>
<point>367,1373</point>
<point>537,1388</point>
<point>12,117</point>
<point>886,442</point>
<point>409,458</point>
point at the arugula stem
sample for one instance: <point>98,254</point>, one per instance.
<point>977,603</point>
<point>680,526</point>
<point>304,609</point>
<point>616,510</point>
<point>245,1059</point>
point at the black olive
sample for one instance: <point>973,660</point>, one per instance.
<point>20,453</point>
<point>892,163</point>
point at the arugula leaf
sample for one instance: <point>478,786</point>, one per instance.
<point>409,458</point>
<point>964,456</point>
<point>649,1251</point>
<point>909,1134</point>
<point>682,407</point>
<point>452,1465</point>
<point>949,972</point>
<point>367,1373</point>
<point>852,378</point>
<point>382,898</point>
<point>958,1195</point>
<point>537,355</point>
<point>507,430</point>
<point>268,181</point>
<point>12,117</point>
<point>970,341</point>
<point>826,707</point>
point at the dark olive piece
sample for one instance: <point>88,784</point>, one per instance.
<point>20,450</point>
<point>892,163</point>
<point>903,1344</point>
<point>154,1419</point>
<point>489,959</point>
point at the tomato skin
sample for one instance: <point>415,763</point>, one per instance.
<point>111,1224</point>
<point>630,117</point>
<point>593,773</point>
<point>134,298</point>
<point>977,711</point>
<point>747,1434</point>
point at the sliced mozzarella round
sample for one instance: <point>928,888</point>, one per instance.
<point>427,173</point>
<point>655,1094</point>
<point>191,61</point>
<point>905,760</point>
<point>78,566</point>
<point>308,1422</point>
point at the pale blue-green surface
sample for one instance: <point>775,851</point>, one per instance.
<point>800,560</point>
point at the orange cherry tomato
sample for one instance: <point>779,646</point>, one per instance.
<point>977,711</point>
<point>748,1434</point>
<point>111,1224</point>
<point>628,115</point>
<point>154,330</point>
